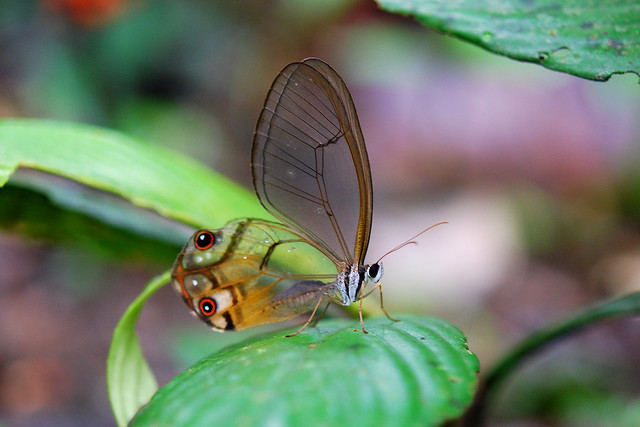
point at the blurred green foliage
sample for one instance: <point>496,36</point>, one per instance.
<point>71,228</point>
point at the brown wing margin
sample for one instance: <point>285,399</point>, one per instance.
<point>309,161</point>
<point>358,152</point>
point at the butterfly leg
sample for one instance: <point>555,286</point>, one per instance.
<point>308,320</point>
<point>324,311</point>
<point>379,286</point>
<point>364,331</point>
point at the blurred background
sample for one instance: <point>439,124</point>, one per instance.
<point>536,172</point>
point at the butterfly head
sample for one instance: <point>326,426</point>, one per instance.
<point>375,272</point>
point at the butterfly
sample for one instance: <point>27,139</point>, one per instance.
<point>311,171</point>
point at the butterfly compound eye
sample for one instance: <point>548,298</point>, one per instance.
<point>204,240</point>
<point>375,272</point>
<point>207,306</point>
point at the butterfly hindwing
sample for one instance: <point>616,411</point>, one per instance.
<point>239,278</point>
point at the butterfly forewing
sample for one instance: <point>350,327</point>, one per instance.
<point>243,277</point>
<point>309,162</point>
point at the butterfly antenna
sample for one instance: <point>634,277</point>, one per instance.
<point>411,241</point>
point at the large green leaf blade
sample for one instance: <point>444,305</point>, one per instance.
<point>146,175</point>
<point>415,372</point>
<point>130,382</point>
<point>587,38</point>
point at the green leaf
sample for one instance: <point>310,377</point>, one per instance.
<point>587,38</point>
<point>34,215</point>
<point>627,305</point>
<point>415,372</point>
<point>130,382</point>
<point>148,176</point>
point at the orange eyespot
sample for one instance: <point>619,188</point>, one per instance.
<point>204,240</point>
<point>207,307</point>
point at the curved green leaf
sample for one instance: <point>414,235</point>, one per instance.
<point>415,372</point>
<point>146,175</point>
<point>35,215</point>
<point>130,382</point>
<point>626,305</point>
<point>587,38</point>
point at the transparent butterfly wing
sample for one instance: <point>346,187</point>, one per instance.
<point>309,161</point>
<point>246,273</point>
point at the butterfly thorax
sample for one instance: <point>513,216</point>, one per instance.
<point>353,278</point>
